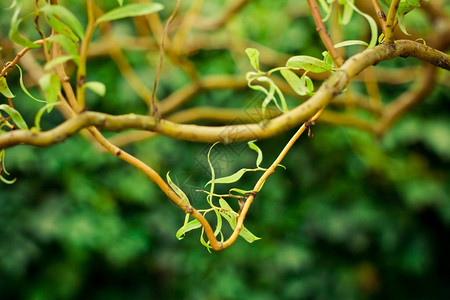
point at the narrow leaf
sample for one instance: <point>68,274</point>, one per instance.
<point>372,24</point>
<point>130,10</point>
<point>307,82</point>
<point>37,118</point>
<point>229,179</point>
<point>253,146</point>
<point>308,63</point>
<point>230,217</point>
<point>61,27</point>
<point>4,89</point>
<point>347,14</point>
<point>51,86</point>
<point>401,24</point>
<point>227,213</point>
<point>247,235</point>
<point>253,55</point>
<point>240,191</point>
<point>350,43</point>
<point>14,34</point>
<point>7,181</point>
<point>24,89</point>
<point>66,43</point>
<point>66,15</point>
<point>97,87</point>
<point>327,58</point>
<point>2,163</point>
<point>15,116</point>
<point>57,61</point>
<point>120,2</point>
<point>294,81</point>
<point>194,224</point>
<point>177,190</point>
<point>204,242</point>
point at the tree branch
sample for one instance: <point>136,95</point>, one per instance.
<point>233,133</point>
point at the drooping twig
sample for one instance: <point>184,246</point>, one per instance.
<point>154,109</point>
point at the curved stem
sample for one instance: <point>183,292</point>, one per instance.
<point>233,133</point>
<point>263,178</point>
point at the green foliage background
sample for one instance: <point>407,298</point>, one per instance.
<point>352,217</point>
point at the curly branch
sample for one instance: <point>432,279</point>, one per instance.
<point>244,132</point>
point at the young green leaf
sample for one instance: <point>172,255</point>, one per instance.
<point>270,94</point>
<point>120,2</point>
<point>24,89</point>
<point>62,28</point>
<point>373,25</point>
<point>253,146</point>
<point>66,43</point>
<point>307,82</point>
<point>347,13</point>
<point>14,34</point>
<point>51,86</point>
<point>4,89</point>
<point>327,58</point>
<point>228,213</point>
<point>97,87</point>
<point>308,63</point>
<point>326,8</point>
<point>230,217</point>
<point>37,118</point>
<point>7,181</point>
<point>240,191</point>
<point>229,179</point>
<point>219,223</point>
<point>253,55</point>
<point>350,43</point>
<point>213,175</point>
<point>204,242</point>
<point>177,190</point>
<point>15,116</point>
<point>295,82</point>
<point>194,224</point>
<point>57,61</point>
<point>130,10</point>
<point>2,163</point>
<point>66,15</point>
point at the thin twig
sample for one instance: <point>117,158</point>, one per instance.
<point>81,75</point>
<point>321,29</point>
<point>390,22</point>
<point>380,14</point>
<point>263,178</point>
<point>154,109</point>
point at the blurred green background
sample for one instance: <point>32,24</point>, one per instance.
<point>352,217</point>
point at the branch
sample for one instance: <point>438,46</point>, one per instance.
<point>390,22</point>
<point>328,43</point>
<point>380,14</point>
<point>228,134</point>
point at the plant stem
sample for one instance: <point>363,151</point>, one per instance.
<point>81,75</point>
<point>390,22</point>
<point>321,29</point>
